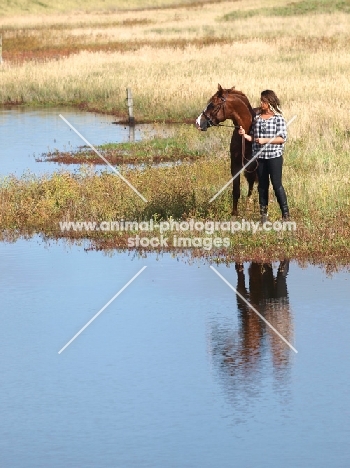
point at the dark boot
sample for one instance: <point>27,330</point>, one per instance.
<point>263,214</point>
<point>283,268</point>
<point>282,201</point>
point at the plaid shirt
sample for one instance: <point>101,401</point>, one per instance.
<point>272,127</point>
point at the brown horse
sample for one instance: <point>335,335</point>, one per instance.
<point>233,104</point>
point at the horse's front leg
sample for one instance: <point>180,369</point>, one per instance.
<point>236,187</point>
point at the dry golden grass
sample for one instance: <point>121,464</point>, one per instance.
<point>175,84</point>
<point>174,58</point>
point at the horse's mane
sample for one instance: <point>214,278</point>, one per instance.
<point>242,96</point>
<point>233,90</point>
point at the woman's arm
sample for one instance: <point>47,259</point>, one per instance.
<point>241,131</point>
<point>262,141</point>
<point>276,141</point>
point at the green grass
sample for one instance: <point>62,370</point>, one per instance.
<point>13,7</point>
<point>155,150</point>
<point>159,143</point>
<point>292,9</point>
<point>38,204</point>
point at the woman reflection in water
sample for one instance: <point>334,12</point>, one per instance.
<point>238,353</point>
<point>269,295</point>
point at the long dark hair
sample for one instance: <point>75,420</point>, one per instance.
<point>272,99</point>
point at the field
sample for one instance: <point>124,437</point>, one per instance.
<point>86,54</point>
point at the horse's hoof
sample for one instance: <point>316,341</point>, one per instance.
<point>234,213</point>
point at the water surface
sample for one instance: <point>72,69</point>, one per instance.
<point>26,134</point>
<point>176,372</point>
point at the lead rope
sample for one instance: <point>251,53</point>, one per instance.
<point>245,159</point>
<point>243,143</point>
<point>243,150</point>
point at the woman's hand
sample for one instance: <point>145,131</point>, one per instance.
<point>241,131</point>
<point>262,141</point>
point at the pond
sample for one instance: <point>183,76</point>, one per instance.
<point>176,371</point>
<point>26,134</point>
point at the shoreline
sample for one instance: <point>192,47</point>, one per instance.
<point>121,119</point>
<point>332,262</point>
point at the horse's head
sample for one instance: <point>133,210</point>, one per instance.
<point>214,113</point>
<point>226,104</point>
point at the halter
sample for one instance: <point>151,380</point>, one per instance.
<point>220,106</point>
<point>210,123</point>
<point>215,112</point>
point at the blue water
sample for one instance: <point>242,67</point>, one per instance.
<point>26,134</point>
<point>175,372</point>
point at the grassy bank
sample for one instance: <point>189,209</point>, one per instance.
<point>320,207</point>
<point>159,144</point>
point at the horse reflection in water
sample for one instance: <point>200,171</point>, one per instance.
<point>240,354</point>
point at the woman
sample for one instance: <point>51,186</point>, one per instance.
<point>269,123</point>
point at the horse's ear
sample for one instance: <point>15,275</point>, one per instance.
<point>233,87</point>
<point>219,90</point>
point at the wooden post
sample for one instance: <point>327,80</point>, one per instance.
<point>132,133</point>
<point>130,104</point>
<point>0,49</point>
